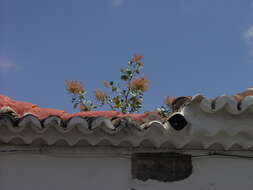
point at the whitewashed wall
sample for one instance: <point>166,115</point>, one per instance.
<point>210,174</point>
<point>39,172</point>
<point>42,172</point>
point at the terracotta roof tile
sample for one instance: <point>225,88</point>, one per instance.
<point>24,108</point>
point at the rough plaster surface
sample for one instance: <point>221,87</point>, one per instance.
<point>40,172</point>
<point>209,174</point>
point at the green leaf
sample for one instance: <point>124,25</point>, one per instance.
<point>124,77</point>
<point>133,93</point>
<point>129,72</point>
<point>116,100</point>
<point>114,89</point>
<point>75,105</point>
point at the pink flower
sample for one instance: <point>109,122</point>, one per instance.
<point>141,84</point>
<point>100,95</point>
<point>137,58</point>
<point>74,87</point>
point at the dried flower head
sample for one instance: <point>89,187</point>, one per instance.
<point>142,64</point>
<point>141,84</point>
<point>169,100</point>
<point>107,84</point>
<point>137,58</point>
<point>74,87</point>
<point>100,95</point>
<point>83,108</point>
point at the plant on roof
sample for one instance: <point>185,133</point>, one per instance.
<point>125,96</point>
<point>165,110</point>
<point>79,98</point>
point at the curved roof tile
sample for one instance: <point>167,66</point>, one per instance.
<point>220,124</point>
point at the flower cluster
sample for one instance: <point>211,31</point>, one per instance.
<point>137,58</point>
<point>79,98</point>
<point>127,98</point>
<point>74,87</point>
<point>100,95</point>
<point>83,108</point>
<point>139,84</point>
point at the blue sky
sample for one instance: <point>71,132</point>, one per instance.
<point>190,47</point>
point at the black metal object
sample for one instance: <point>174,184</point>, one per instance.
<point>165,167</point>
<point>178,121</point>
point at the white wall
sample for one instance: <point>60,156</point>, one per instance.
<point>210,174</point>
<point>41,172</point>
